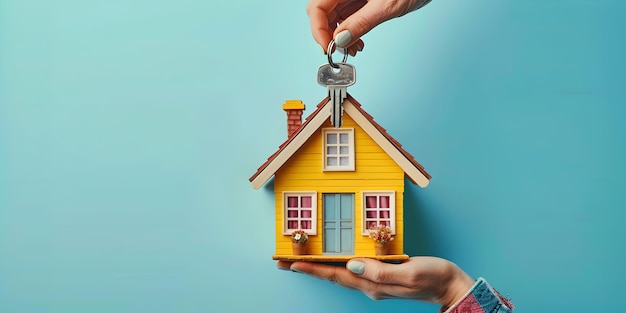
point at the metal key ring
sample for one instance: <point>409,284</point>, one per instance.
<point>329,53</point>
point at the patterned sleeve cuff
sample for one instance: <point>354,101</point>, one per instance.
<point>481,298</point>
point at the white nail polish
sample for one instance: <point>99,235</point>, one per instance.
<point>356,267</point>
<point>343,38</point>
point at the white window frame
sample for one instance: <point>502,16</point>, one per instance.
<point>350,144</point>
<point>392,209</point>
<point>313,218</point>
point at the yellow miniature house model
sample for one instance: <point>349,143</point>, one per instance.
<point>336,183</point>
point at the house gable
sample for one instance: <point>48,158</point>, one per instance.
<point>373,166</point>
<point>289,147</point>
<point>413,170</point>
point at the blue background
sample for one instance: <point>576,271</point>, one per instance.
<point>128,131</point>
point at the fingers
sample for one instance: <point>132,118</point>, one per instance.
<point>355,18</point>
<point>373,13</point>
<point>284,265</point>
<point>347,279</point>
<point>334,274</point>
<point>431,279</point>
<point>356,47</point>
<point>359,23</point>
<point>319,12</point>
<point>382,273</point>
<point>324,15</point>
<point>322,271</point>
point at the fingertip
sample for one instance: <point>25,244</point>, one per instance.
<point>359,45</point>
<point>356,263</point>
<point>343,38</point>
<point>284,265</point>
<point>355,48</point>
<point>352,51</point>
<point>347,38</point>
<point>297,267</point>
<point>356,267</point>
<point>318,19</point>
<point>322,39</point>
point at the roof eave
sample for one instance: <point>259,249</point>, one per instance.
<point>300,136</point>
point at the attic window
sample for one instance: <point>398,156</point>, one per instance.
<point>338,149</point>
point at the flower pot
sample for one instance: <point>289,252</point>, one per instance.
<point>298,248</point>
<point>381,248</point>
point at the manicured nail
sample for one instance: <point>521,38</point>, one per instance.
<point>343,38</point>
<point>356,267</point>
<point>359,47</point>
<point>296,271</point>
<point>283,266</point>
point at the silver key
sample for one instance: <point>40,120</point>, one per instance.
<point>337,81</point>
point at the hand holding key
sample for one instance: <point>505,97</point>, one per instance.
<point>337,77</point>
<point>347,20</point>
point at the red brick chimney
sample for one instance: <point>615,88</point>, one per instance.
<point>294,109</point>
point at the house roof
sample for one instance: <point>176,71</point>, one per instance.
<point>412,169</point>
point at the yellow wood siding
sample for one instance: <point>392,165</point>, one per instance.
<point>374,171</point>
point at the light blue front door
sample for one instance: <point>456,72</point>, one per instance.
<point>338,233</point>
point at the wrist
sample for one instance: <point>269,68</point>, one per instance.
<point>459,286</point>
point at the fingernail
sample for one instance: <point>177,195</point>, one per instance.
<point>359,47</point>
<point>343,38</point>
<point>296,271</point>
<point>356,267</point>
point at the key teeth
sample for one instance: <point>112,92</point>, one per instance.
<point>336,120</point>
<point>340,121</point>
<point>337,95</point>
<point>336,110</point>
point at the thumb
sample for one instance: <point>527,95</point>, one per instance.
<point>379,272</point>
<point>360,23</point>
<point>373,13</point>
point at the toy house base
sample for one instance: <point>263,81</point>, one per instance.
<point>338,258</point>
